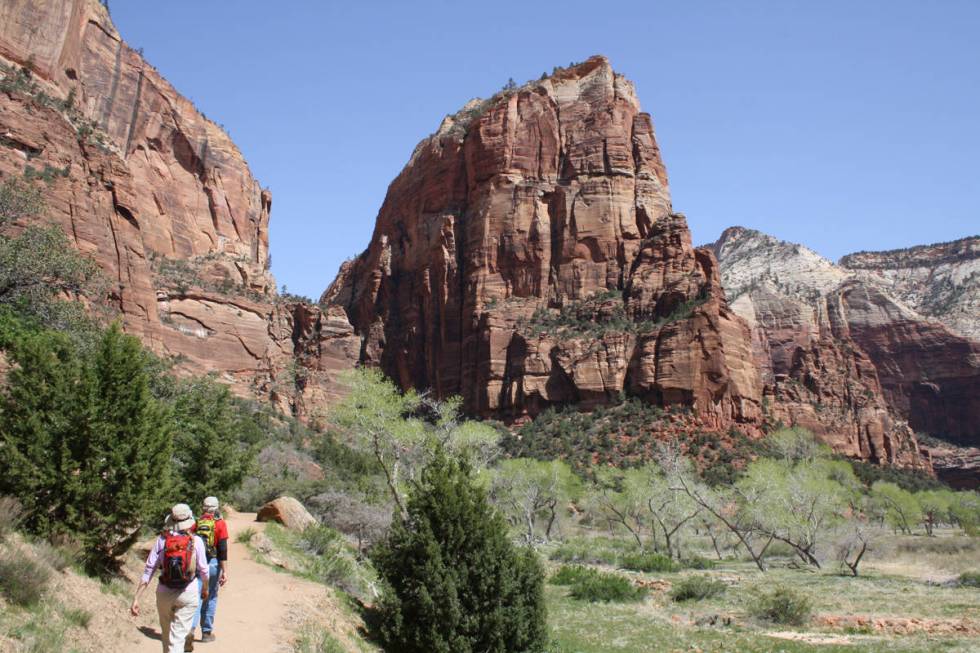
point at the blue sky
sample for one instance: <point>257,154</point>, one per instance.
<point>842,125</point>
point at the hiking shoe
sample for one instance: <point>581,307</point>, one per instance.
<point>189,643</point>
<point>207,637</point>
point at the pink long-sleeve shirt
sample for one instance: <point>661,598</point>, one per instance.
<point>155,559</point>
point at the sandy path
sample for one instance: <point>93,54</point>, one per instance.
<point>253,607</point>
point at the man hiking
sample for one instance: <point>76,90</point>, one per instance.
<point>182,560</point>
<point>213,530</point>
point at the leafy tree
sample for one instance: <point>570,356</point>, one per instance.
<point>935,505</point>
<point>531,491</point>
<point>898,507</point>
<point>453,581</point>
<point>403,430</point>
<point>796,503</point>
<point>214,439</point>
<point>965,511</point>
<point>85,446</point>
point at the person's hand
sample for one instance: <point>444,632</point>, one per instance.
<point>135,609</point>
<point>223,578</point>
<point>204,593</point>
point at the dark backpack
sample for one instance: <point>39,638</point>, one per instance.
<point>206,527</point>
<point>178,560</point>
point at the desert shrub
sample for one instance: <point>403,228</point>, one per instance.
<point>245,536</point>
<point>697,562</point>
<point>696,588</point>
<point>11,510</point>
<point>453,581</point>
<point>22,580</point>
<point>571,574</point>
<point>78,617</point>
<point>647,561</point>
<point>938,545</point>
<point>969,579</point>
<point>57,557</point>
<point>782,605</point>
<point>315,639</point>
<point>607,588</point>
<point>352,515</point>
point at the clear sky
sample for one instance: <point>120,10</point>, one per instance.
<point>840,124</point>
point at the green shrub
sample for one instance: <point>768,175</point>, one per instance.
<point>647,562</point>
<point>78,617</point>
<point>697,562</point>
<point>453,581</point>
<point>782,605</point>
<point>71,424</point>
<point>22,580</point>
<point>571,574</point>
<point>696,588</point>
<point>969,579</point>
<point>245,536</point>
<point>607,588</point>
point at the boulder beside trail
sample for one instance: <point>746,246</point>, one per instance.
<point>287,511</point>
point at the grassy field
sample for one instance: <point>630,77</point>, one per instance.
<point>879,611</point>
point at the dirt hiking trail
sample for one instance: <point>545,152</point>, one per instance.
<point>258,608</point>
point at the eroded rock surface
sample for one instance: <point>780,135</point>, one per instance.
<point>527,256</point>
<point>162,199</point>
<point>843,356</point>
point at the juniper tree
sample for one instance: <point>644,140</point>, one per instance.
<point>83,444</point>
<point>454,583</point>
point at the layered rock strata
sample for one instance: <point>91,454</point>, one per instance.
<point>161,198</point>
<point>527,256</point>
<point>841,355</point>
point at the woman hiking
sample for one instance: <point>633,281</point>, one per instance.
<point>182,560</point>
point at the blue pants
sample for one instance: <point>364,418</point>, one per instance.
<point>209,607</point>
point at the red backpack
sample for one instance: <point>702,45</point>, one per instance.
<point>178,560</point>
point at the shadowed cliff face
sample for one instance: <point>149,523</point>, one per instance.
<point>161,198</point>
<point>527,256</point>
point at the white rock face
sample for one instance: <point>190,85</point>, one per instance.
<point>939,281</point>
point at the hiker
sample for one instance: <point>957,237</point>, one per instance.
<point>182,560</point>
<point>213,530</point>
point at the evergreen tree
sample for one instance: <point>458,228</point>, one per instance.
<point>83,444</point>
<point>454,583</point>
<point>214,440</point>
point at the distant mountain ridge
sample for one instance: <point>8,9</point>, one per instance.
<point>875,306</point>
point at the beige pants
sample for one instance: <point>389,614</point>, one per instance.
<point>176,609</point>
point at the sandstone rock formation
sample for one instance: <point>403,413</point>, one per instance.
<point>527,256</point>
<point>841,355</point>
<point>162,199</point>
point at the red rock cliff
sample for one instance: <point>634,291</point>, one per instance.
<point>161,197</point>
<point>527,256</point>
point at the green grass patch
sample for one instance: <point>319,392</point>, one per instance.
<point>77,617</point>
<point>245,536</point>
